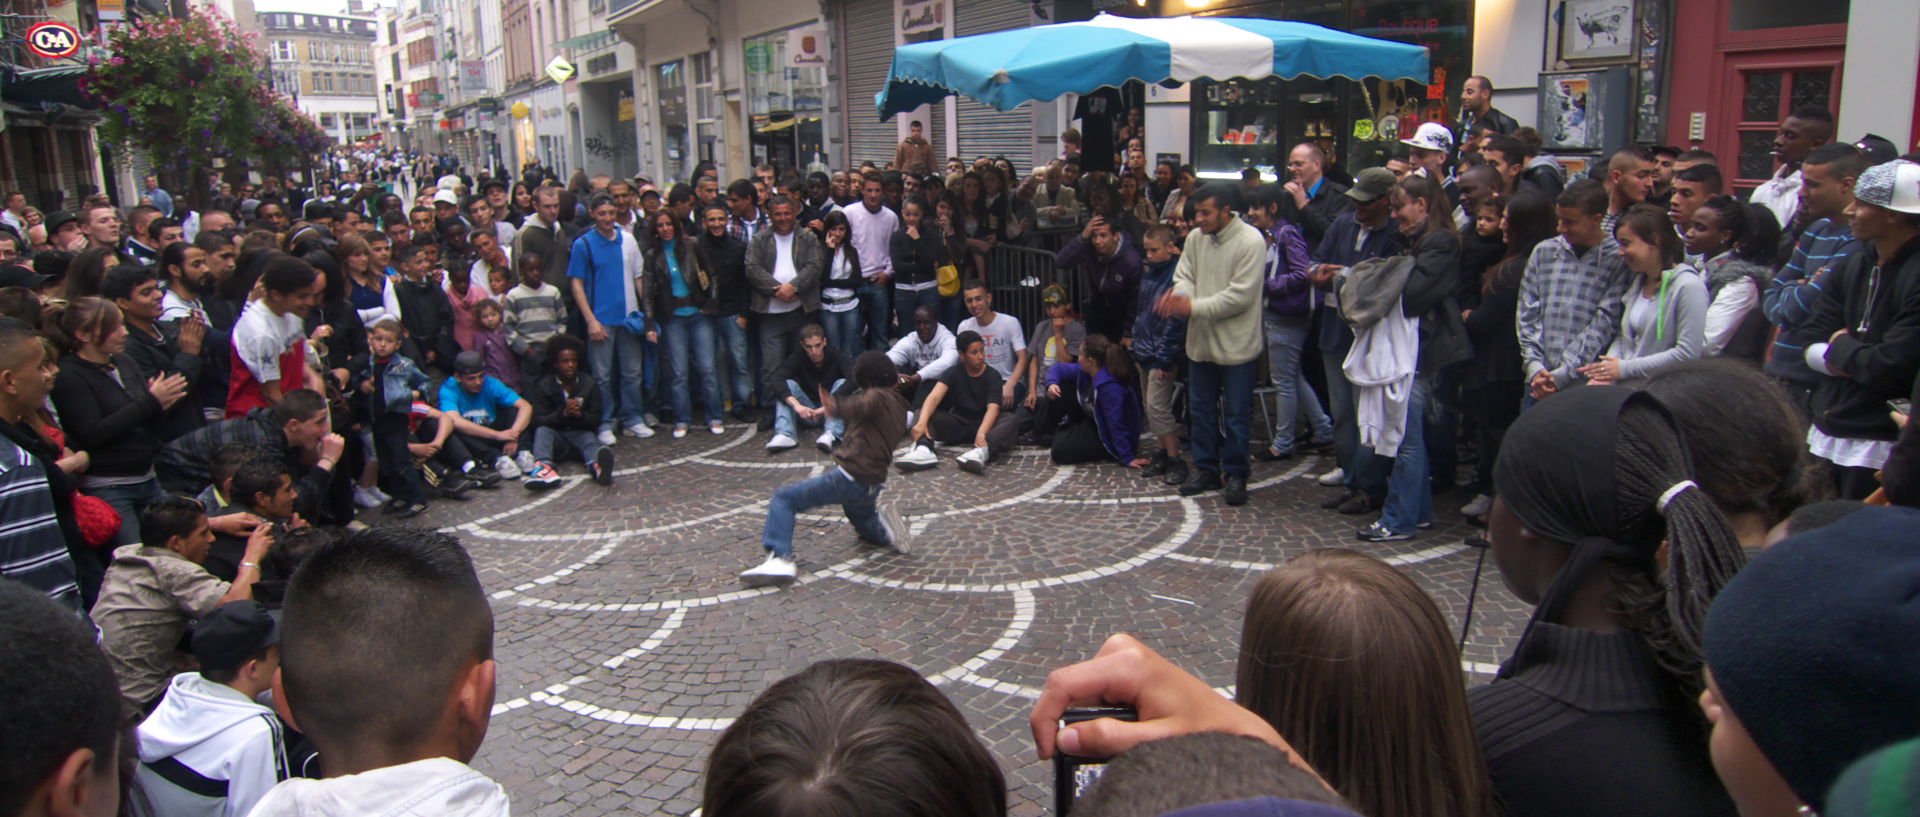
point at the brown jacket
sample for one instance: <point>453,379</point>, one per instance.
<point>876,420</point>
<point>914,151</point>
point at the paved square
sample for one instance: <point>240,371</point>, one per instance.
<point>626,642</point>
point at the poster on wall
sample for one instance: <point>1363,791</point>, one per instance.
<point>1596,29</point>
<point>1584,110</point>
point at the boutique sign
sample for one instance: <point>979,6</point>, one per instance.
<point>921,16</point>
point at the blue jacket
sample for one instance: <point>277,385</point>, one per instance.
<point>1114,407</point>
<point>1337,248</point>
<point>398,384</point>
<point>1158,340</point>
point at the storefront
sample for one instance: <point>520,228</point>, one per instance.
<point>550,128</point>
<point>520,128</point>
<point>785,85</point>
<point>670,97</point>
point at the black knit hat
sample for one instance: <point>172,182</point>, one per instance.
<point>1815,646</point>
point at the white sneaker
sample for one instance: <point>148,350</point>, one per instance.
<point>1337,476</point>
<point>383,496</point>
<point>900,536</point>
<point>781,442</point>
<point>506,468</point>
<point>774,570</point>
<point>641,430</point>
<point>1480,505</point>
<point>364,498</point>
<point>974,461</point>
<point>919,457</point>
<point>910,419</point>
<point>606,437</point>
<point>525,460</point>
<point>716,428</point>
<point>679,432</point>
<point>825,441</point>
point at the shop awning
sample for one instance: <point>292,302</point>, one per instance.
<point>1006,68</point>
<point>42,87</point>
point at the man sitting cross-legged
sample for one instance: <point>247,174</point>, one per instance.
<point>963,409</point>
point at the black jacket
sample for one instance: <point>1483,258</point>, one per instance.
<point>915,259</point>
<point>349,338</point>
<point>1879,306</point>
<point>550,402</point>
<point>1317,217</point>
<point>726,259</point>
<point>659,287</point>
<point>1429,296</point>
<point>113,423</point>
<point>428,318</point>
<point>1496,349</point>
<point>162,355</point>
<point>185,465</point>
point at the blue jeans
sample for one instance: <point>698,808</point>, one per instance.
<point>1367,472</point>
<point>856,499</point>
<point>952,311</point>
<point>690,348</point>
<point>843,329</point>
<point>727,329</point>
<point>1214,388</point>
<point>786,420</point>
<point>1286,339</point>
<point>551,443</point>
<point>1410,489</point>
<point>908,301</point>
<point>623,347</point>
<point>876,306</point>
<point>128,500</point>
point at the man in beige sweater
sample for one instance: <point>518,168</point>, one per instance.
<point>1217,286</point>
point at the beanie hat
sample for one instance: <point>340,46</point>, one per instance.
<point>1883,784</point>
<point>1813,646</point>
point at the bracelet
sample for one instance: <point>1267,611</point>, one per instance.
<point>254,565</point>
<point>325,464</point>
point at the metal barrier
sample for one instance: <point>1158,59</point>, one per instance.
<point>1016,276</point>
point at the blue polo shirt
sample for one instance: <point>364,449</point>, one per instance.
<point>599,262</point>
<point>493,402</point>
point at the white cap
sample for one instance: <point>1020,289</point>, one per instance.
<point>447,196</point>
<point>1431,136</point>
<point>1894,185</point>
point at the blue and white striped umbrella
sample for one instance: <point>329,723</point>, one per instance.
<point>1006,68</point>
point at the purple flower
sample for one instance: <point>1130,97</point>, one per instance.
<point>206,133</point>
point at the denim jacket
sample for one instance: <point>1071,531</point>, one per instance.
<point>396,385</point>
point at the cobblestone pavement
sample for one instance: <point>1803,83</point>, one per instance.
<point>626,642</point>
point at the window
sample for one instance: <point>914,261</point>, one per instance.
<point>283,51</point>
<point>327,121</point>
<point>316,50</point>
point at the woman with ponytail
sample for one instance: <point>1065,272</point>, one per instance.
<point>1597,523</point>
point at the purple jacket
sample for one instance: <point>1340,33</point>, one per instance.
<point>501,361</point>
<point>1289,285</point>
<point>1115,409</point>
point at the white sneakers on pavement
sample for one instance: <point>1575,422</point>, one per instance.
<point>974,461</point>
<point>369,497</point>
<point>606,437</point>
<point>525,460</point>
<point>774,570</point>
<point>899,534</point>
<point>781,442</point>
<point>505,467</point>
<point>919,457</point>
<point>825,442</point>
<point>641,430</point>
<point>1480,505</point>
<point>716,428</point>
<point>1335,477</point>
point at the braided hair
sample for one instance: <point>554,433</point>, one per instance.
<point>1755,231</point>
<point>1666,604</point>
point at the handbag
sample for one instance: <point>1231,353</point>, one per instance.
<point>948,277</point>
<point>97,520</point>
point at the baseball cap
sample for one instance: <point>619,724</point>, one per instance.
<point>232,633</point>
<point>16,275</point>
<point>1894,185</point>
<point>58,218</point>
<point>1878,148</point>
<point>1371,184</point>
<point>1431,136</point>
<point>1053,295</point>
<point>469,363</point>
<point>447,197</point>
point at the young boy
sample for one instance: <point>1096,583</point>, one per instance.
<point>424,309</point>
<point>1056,340</point>
<point>1159,342</point>
<point>226,462</point>
<point>153,590</point>
<point>962,408</point>
<point>533,313</point>
<point>479,405</point>
<point>386,393</point>
<point>566,416</point>
<point>875,417</point>
<point>211,728</point>
<point>262,487</point>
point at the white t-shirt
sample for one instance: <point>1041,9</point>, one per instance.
<point>175,308</point>
<point>1004,342</point>
<point>261,337</point>
<point>783,271</point>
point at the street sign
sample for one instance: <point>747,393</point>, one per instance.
<point>559,70</point>
<point>53,39</point>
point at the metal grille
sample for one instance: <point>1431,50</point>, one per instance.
<point>983,130</point>
<point>867,42</point>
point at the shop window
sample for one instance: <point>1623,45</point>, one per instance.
<point>1768,97</point>
<point>1748,15</point>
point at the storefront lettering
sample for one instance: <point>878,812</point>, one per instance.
<point>922,15</point>
<point>1408,27</point>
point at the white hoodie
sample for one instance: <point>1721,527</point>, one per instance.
<point>208,751</point>
<point>435,787</point>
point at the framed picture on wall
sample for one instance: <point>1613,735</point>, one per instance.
<point>1596,29</point>
<point>1584,110</point>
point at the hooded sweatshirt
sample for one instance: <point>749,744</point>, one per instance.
<point>435,787</point>
<point>208,751</point>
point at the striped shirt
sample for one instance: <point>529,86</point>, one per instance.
<point>1790,299</point>
<point>1570,306</point>
<point>532,315</point>
<point>32,549</point>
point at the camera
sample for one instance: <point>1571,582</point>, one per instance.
<point>1073,775</point>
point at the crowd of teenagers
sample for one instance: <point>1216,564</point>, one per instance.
<point>1680,409</point>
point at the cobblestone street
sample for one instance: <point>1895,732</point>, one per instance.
<point>626,642</point>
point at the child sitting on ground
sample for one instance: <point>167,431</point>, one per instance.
<point>1092,411</point>
<point>566,417</point>
<point>490,340</point>
<point>876,417</point>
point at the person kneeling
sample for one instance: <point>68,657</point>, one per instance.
<point>875,417</point>
<point>963,407</point>
<point>1092,414</point>
<point>566,416</point>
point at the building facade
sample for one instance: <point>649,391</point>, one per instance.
<point>326,64</point>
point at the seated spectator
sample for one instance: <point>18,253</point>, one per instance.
<point>1093,413</point>
<point>807,376</point>
<point>1746,443</point>
<point>1347,655</point>
<point>1809,654</point>
<point>263,488</point>
<point>1159,344</point>
<point>1195,775</point>
<point>1664,320</point>
<point>962,409</point>
<point>386,663</point>
<point>923,354</point>
<point>1055,340</point>
<point>60,714</point>
<point>424,310</point>
<point>566,415</point>
<point>532,312</point>
<point>1592,486</point>
<point>154,590</point>
<point>490,340</point>
<point>297,427</point>
<point>1738,245</point>
<point>480,406</point>
<point>852,736</point>
<point>211,749</point>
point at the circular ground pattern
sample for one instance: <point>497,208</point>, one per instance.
<point>626,642</point>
